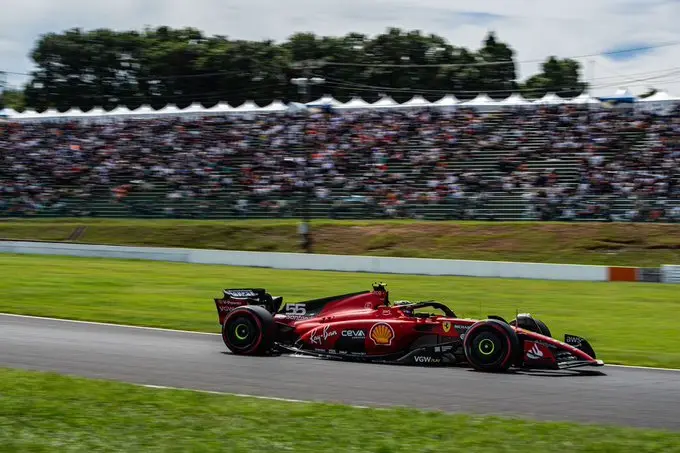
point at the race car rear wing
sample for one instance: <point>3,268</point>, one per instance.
<point>237,297</point>
<point>245,293</point>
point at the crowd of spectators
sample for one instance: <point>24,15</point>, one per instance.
<point>560,162</point>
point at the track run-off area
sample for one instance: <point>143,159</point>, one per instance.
<point>627,396</point>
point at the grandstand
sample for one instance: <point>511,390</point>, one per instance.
<point>423,173</point>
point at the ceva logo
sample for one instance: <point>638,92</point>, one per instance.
<point>354,333</point>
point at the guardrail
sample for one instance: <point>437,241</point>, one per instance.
<point>670,274</point>
<point>346,263</point>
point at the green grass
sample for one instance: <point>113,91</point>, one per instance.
<point>627,323</point>
<point>621,244</point>
<point>46,413</point>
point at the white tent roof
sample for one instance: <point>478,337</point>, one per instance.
<point>417,101</point>
<point>515,99</point>
<point>8,112</point>
<point>248,106</point>
<point>196,107</point>
<point>169,109</point>
<point>296,107</point>
<point>29,113</point>
<point>51,113</point>
<point>550,99</point>
<point>446,101</point>
<point>624,93</point>
<point>385,101</point>
<point>275,106</point>
<point>120,110</point>
<point>481,99</point>
<point>220,107</point>
<point>326,99</point>
<point>144,110</point>
<point>95,111</point>
<point>354,103</point>
<point>584,98</point>
<point>73,112</point>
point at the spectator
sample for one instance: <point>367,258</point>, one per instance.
<point>387,164</point>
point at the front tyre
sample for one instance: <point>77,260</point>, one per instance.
<point>531,324</point>
<point>491,346</point>
<point>249,330</point>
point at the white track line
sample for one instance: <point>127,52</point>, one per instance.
<point>97,323</point>
<point>638,367</point>
<point>193,332</point>
<point>212,392</point>
<point>258,397</point>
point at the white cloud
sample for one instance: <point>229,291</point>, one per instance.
<point>534,28</point>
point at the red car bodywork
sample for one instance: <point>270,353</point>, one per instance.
<point>365,326</point>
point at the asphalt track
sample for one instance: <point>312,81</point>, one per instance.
<point>622,396</point>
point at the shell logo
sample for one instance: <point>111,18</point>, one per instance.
<point>381,334</point>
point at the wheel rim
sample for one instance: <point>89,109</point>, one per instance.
<point>242,333</point>
<point>488,348</point>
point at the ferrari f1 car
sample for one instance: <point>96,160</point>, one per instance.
<point>365,326</point>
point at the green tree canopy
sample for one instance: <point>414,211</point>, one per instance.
<point>557,76</point>
<point>163,65</point>
<point>13,99</point>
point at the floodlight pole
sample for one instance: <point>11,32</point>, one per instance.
<point>3,85</point>
<point>303,84</point>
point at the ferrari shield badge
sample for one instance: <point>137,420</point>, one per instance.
<point>447,326</point>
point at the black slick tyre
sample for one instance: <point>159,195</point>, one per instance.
<point>542,328</point>
<point>249,330</point>
<point>491,346</point>
<point>532,325</point>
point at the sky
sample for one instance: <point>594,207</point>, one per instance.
<point>536,29</point>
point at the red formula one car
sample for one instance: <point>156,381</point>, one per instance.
<point>365,326</point>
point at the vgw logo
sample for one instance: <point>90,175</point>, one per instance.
<point>426,359</point>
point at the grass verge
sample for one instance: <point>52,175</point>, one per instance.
<point>577,243</point>
<point>627,323</point>
<point>47,412</point>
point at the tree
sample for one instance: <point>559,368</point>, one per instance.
<point>163,65</point>
<point>648,93</point>
<point>13,99</point>
<point>497,68</point>
<point>562,77</point>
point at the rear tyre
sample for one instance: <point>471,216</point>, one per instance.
<point>249,330</point>
<point>491,346</point>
